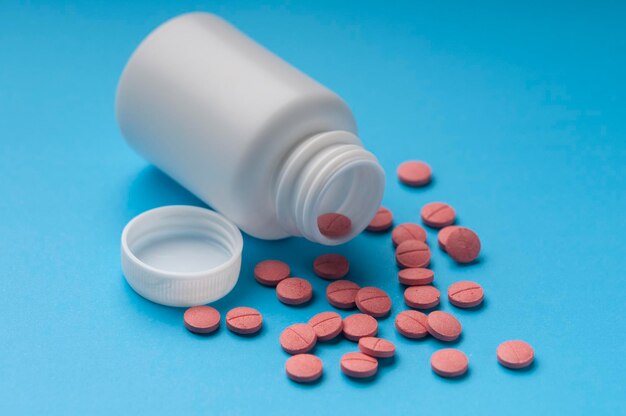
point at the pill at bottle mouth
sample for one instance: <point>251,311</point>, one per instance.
<point>444,233</point>
<point>377,347</point>
<point>463,245</point>
<point>271,272</point>
<point>304,368</point>
<point>515,354</point>
<point>438,214</point>
<point>449,362</point>
<point>416,276</point>
<point>294,291</point>
<point>331,266</point>
<point>334,225</point>
<point>358,365</point>
<point>201,319</point>
<point>359,325</point>
<point>407,231</point>
<point>381,221</point>
<point>244,320</point>
<point>412,324</point>
<point>422,297</point>
<point>298,338</point>
<point>327,325</point>
<point>465,294</point>
<point>413,254</point>
<point>414,173</point>
<point>342,294</point>
<point>373,301</point>
<point>443,326</point>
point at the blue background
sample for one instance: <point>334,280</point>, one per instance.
<point>519,109</point>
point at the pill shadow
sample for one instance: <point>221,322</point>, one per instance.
<point>447,344</point>
<point>418,189</point>
<point>479,261</point>
<point>482,305</point>
<point>307,385</point>
<point>532,368</point>
<point>361,381</point>
<point>454,380</point>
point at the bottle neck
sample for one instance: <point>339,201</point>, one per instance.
<point>328,172</point>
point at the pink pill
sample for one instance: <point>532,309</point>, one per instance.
<point>407,231</point>
<point>412,324</point>
<point>331,266</point>
<point>413,253</point>
<point>463,245</point>
<point>438,214</point>
<point>373,301</point>
<point>515,354</point>
<point>414,173</point>
<point>444,233</point>
<point>244,320</point>
<point>294,291</point>
<point>417,276</point>
<point>358,326</point>
<point>377,347</point>
<point>201,319</point>
<point>443,326</point>
<point>334,225</point>
<point>358,365</point>
<point>342,294</point>
<point>298,338</point>
<point>421,297</point>
<point>304,368</point>
<point>270,272</point>
<point>465,294</point>
<point>449,362</point>
<point>327,325</point>
<point>381,221</point>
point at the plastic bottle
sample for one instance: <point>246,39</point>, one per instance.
<point>250,135</point>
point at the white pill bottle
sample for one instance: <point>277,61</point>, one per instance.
<point>247,133</point>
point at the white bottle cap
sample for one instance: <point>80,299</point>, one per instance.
<point>181,255</point>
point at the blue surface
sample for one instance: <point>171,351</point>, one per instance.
<point>519,109</point>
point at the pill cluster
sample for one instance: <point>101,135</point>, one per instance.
<point>412,255</point>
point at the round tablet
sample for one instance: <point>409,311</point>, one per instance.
<point>449,362</point>
<point>438,214</point>
<point>201,319</point>
<point>412,324</point>
<point>416,276</point>
<point>270,272</point>
<point>444,233</point>
<point>443,326</point>
<point>358,326</point>
<point>358,365</point>
<point>244,320</point>
<point>414,173</point>
<point>342,294</point>
<point>463,245</point>
<point>381,221</point>
<point>294,291</point>
<point>334,225</point>
<point>373,301</point>
<point>304,368</point>
<point>331,266</point>
<point>327,325</point>
<point>465,294</point>
<point>413,253</point>
<point>515,354</point>
<point>377,347</point>
<point>407,231</point>
<point>421,297</point>
<point>298,338</point>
